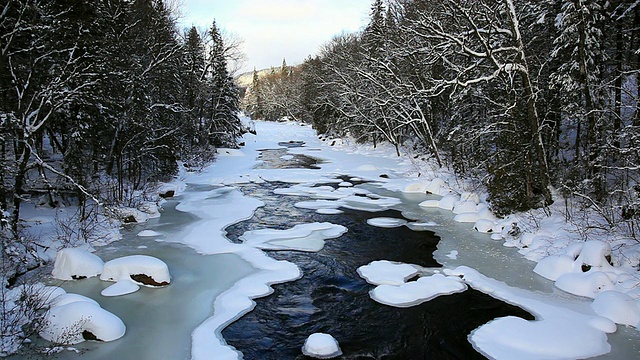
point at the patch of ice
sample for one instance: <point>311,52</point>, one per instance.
<point>384,272</point>
<point>469,217</point>
<point>302,237</point>
<point>421,225</point>
<point>121,287</point>
<point>386,222</point>
<point>453,254</point>
<point>417,292</point>
<point>321,346</point>
<point>557,332</point>
<point>329,211</point>
<point>72,263</point>
<point>345,184</point>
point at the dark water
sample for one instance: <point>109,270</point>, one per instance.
<point>332,298</point>
<point>272,159</point>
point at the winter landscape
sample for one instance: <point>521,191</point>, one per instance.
<point>442,184</point>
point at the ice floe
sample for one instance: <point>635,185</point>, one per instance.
<point>384,272</point>
<point>302,237</point>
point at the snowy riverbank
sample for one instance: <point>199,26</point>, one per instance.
<point>564,325</point>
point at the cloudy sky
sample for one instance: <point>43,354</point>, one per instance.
<point>275,29</point>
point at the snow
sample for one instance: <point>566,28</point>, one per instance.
<point>302,237</point>
<point>417,292</point>
<point>383,272</point>
<point>148,233</point>
<point>565,327</point>
<point>321,346</point>
<point>122,270</point>
<point>618,307</point>
<point>73,263</point>
<point>386,222</point>
<point>72,315</point>
<point>557,332</point>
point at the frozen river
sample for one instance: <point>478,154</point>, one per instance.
<point>214,274</point>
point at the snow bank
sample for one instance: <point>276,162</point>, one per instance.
<point>618,307</point>
<point>302,237</point>
<point>321,346</point>
<point>557,332</point>
<point>72,264</point>
<point>75,318</point>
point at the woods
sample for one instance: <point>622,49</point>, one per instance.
<point>98,99</point>
<point>529,98</point>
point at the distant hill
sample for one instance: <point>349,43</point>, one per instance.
<point>244,80</point>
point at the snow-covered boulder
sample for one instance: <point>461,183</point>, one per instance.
<point>554,266</point>
<point>619,307</point>
<point>588,284</point>
<point>130,271</point>
<point>437,186</point>
<point>467,217</point>
<point>448,202</point>
<point>73,264</point>
<point>76,318</point>
<point>484,225</point>
<point>321,346</point>
<point>464,206</point>
<point>596,254</point>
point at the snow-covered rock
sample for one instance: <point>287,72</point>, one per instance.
<point>554,266</point>
<point>448,202</point>
<point>484,225</point>
<point>588,284</point>
<point>619,307</point>
<point>72,263</point>
<point>321,346</point>
<point>76,318</point>
<point>141,269</point>
<point>467,217</point>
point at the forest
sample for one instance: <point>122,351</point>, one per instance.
<point>535,100</point>
<point>98,99</point>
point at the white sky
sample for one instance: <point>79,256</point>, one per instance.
<point>275,29</point>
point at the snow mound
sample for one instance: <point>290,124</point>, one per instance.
<point>148,233</point>
<point>302,237</point>
<point>417,292</point>
<point>619,307</point>
<point>139,269</point>
<point>554,338</point>
<point>386,222</point>
<point>467,217</point>
<point>484,226</point>
<point>448,202</point>
<point>554,266</point>
<point>72,263</point>
<point>384,272</point>
<point>321,346</point>
<point>76,318</point>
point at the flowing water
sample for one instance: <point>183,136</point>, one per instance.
<point>330,297</point>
